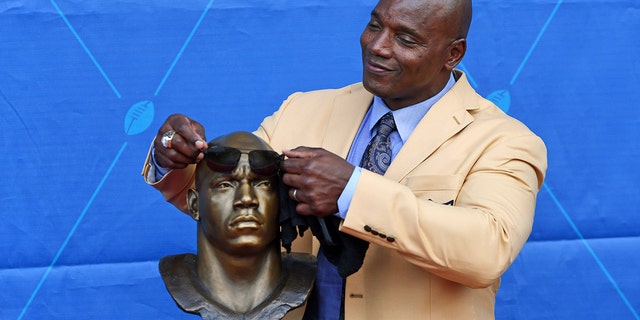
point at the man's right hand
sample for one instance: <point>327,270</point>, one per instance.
<point>186,146</point>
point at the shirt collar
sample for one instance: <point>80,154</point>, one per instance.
<point>406,118</point>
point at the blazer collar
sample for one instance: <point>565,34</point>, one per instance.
<point>446,118</point>
<point>346,116</point>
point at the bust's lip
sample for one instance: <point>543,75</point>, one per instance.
<point>245,221</point>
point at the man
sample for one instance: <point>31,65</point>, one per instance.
<point>238,272</point>
<point>454,207</point>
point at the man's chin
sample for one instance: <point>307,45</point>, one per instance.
<point>375,86</point>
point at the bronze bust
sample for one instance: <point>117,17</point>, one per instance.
<point>240,271</point>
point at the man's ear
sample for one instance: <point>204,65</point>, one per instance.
<point>192,204</point>
<point>457,49</point>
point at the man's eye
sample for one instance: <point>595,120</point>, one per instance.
<point>406,40</point>
<point>373,26</point>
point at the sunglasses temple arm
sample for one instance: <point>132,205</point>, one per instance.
<point>325,232</point>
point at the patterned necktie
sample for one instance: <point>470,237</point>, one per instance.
<point>377,156</point>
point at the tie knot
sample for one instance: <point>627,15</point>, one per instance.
<point>386,124</point>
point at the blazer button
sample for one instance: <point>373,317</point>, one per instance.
<point>382,235</point>
<point>367,228</point>
<point>391,239</point>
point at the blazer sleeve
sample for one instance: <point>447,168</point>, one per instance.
<point>174,185</point>
<point>471,242</point>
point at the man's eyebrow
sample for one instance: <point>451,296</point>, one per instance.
<point>404,28</point>
<point>410,31</point>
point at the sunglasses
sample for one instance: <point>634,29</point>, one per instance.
<point>225,159</point>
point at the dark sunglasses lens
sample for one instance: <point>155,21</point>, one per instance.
<point>222,159</point>
<point>264,162</point>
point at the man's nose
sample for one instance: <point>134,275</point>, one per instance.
<point>381,44</point>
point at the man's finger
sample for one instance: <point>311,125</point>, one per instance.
<point>172,162</point>
<point>294,165</point>
<point>301,152</point>
<point>191,136</point>
<point>199,130</point>
<point>183,148</point>
<point>201,145</point>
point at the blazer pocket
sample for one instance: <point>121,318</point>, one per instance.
<point>438,188</point>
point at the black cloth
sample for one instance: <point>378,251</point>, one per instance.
<point>291,223</point>
<point>342,250</point>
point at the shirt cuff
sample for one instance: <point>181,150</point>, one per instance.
<point>159,171</point>
<point>344,201</point>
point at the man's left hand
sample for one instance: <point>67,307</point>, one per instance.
<point>317,177</point>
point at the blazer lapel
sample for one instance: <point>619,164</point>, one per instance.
<point>446,118</point>
<point>346,116</point>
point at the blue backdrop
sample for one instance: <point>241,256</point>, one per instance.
<point>84,85</point>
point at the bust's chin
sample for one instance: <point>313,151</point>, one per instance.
<point>249,244</point>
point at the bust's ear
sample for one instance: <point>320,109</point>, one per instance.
<point>192,204</point>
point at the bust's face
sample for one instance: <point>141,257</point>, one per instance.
<point>238,208</point>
